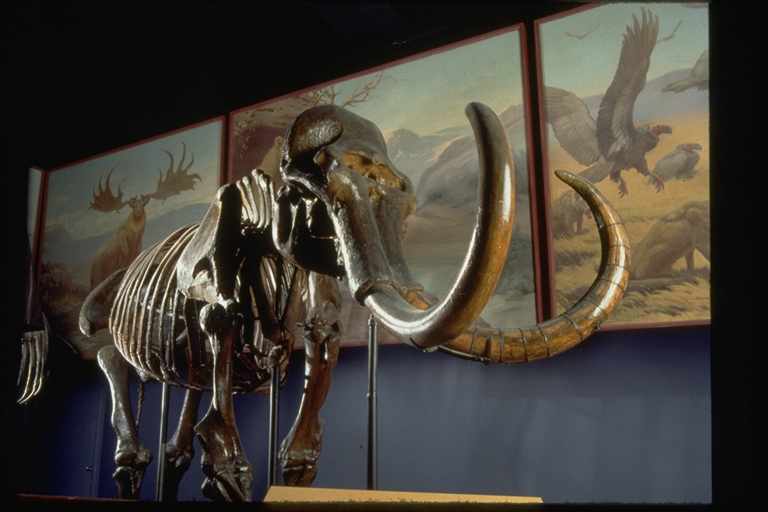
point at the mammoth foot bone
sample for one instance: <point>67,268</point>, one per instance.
<point>228,475</point>
<point>177,462</point>
<point>229,480</point>
<point>298,457</point>
<point>129,473</point>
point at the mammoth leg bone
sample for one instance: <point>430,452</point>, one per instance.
<point>131,458</point>
<point>228,473</point>
<point>179,451</point>
<point>300,449</point>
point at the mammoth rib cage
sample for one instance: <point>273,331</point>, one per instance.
<point>146,310</point>
<point>149,313</point>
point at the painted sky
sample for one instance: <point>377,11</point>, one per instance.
<point>428,94</point>
<point>136,170</point>
<point>566,59</point>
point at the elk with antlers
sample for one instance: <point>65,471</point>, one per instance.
<point>120,250</point>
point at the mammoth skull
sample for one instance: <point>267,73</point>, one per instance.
<point>343,211</point>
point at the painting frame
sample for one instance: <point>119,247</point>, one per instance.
<point>533,212</point>
<point>217,123</point>
<point>546,182</point>
<point>35,213</point>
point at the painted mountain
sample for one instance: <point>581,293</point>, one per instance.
<point>78,252</point>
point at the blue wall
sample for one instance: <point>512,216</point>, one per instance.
<point>623,418</point>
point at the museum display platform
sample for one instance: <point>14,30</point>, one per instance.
<point>284,494</point>
<point>279,494</point>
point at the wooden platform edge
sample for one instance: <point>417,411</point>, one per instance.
<point>285,494</point>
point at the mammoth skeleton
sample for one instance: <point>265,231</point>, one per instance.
<point>214,305</point>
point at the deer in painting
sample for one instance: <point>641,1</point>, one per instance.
<point>123,247</point>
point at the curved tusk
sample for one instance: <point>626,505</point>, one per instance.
<point>583,318</point>
<point>487,253</point>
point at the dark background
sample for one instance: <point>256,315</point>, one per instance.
<point>85,77</point>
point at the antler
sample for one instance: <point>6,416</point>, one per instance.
<point>103,198</point>
<point>176,180</point>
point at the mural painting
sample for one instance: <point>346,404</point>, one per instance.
<point>626,104</point>
<point>102,212</point>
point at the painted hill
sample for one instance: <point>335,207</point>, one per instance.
<point>160,227</point>
<point>70,251</point>
<point>452,179</point>
<point>413,153</point>
<point>419,156</point>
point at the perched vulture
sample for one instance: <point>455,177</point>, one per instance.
<point>698,77</point>
<point>680,164</point>
<point>613,143</point>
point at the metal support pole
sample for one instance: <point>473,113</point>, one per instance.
<point>274,402</point>
<point>160,480</point>
<point>373,363</point>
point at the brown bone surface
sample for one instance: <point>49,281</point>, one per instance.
<point>217,305</point>
<point>34,339</point>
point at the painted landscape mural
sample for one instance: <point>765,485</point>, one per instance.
<point>419,106</point>
<point>626,104</point>
<point>102,212</point>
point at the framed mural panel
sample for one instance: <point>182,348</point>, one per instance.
<point>419,103</point>
<point>625,103</point>
<point>101,212</point>
<point>35,188</point>
<point>36,184</point>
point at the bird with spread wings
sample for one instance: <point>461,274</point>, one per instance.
<point>613,143</point>
<point>698,77</point>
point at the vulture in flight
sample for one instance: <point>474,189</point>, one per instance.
<point>581,36</point>
<point>612,143</point>
<point>698,77</point>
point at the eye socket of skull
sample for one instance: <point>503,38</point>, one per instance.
<point>323,161</point>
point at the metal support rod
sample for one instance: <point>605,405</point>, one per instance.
<point>274,402</point>
<point>160,480</point>
<point>373,363</point>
